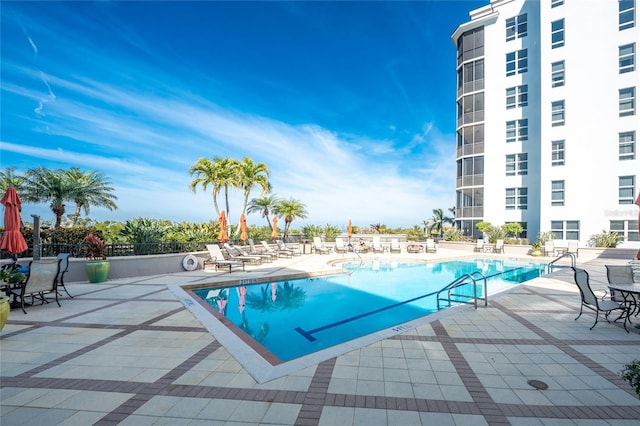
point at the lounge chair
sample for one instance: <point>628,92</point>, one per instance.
<point>64,267</point>
<point>340,247</point>
<point>217,259</point>
<point>499,248</point>
<point>549,249</point>
<point>319,246</point>
<point>395,246</point>
<point>235,254</point>
<point>42,280</point>
<point>255,251</point>
<point>413,247</point>
<point>295,250</point>
<point>479,246</point>
<point>376,246</point>
<point>431,246</point>
<point>263,256</point>
<point>590,301</point>
<point>572,247</point>
<point>277,252</point>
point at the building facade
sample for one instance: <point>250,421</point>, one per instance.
<point>547,121</point>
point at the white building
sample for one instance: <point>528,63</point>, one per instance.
<point>547,117</point>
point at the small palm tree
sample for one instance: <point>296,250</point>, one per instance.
<point>289,210</point>
<point>218,173</point>
<point>248,175</point>
<point>264,205</point>
<point>438,221</point>
<point>43,185</point>
<point>10,178</point>
<point>92,188</point>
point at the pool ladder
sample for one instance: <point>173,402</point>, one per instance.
<point>464,280</point>
<point>552,264</point>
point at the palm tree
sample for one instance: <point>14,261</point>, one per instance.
<point>264,205</point>
<point>289,209</point>
<point>218,173</point>
<point>55,187</point>
<point>92,188</point>
<point>438,220</point>
<point>249,174</point>
<point>10,178</point>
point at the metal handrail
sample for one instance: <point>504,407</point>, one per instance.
<point>465,279</point>
<point>553,262</point>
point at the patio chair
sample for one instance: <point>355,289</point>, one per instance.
<point>319,246</point>
<point>431,246</point>
<point>255,251</point>
<point>499,248</point>
<point>622,274</point>
<point>413,247</point>
<point>590,301</point>
<point>294,249</point>
<point>548,249</point>
<point>395,246</point>
<point>235,254</point>
<point>42,280</point>
<point>376,245</point>
<point>340,247</point>
<point>64,267</point>
<point>479,246</point>
<point>217,259</point>
<point>278,252</point>
<point>263,256</point>
<point>572,247</point>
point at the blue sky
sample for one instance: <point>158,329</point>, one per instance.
<point>350,104</point>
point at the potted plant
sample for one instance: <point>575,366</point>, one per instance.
<point>535,249</point>
<point>97,265</point>
<point>10,274</point>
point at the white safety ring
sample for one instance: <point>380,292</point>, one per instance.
<point>190,262</point>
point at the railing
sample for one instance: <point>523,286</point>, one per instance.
<point>464,280</point>
<point>552,264</point>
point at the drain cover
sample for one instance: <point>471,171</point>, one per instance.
<point>538,384</point>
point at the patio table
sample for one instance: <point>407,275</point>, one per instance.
<point>630,297</point>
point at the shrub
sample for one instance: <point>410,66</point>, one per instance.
<point>452,234</point>
<point>605,239</point>
<point>631,373</point>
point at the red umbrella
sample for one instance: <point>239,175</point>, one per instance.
<point>349,229</point>
<point>12,240</point>
<point>223,237</point>
<point>638,204</point>
<point>243,228</point>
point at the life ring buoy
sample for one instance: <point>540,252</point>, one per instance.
<point>190,262</point>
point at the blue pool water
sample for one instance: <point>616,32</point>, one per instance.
<point>296,317</point>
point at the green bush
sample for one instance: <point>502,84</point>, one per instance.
<point>452,234</point>
<point>631,373</point>
<point>605,239</point>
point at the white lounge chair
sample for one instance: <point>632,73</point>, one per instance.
<point>431,246</point>
<point>258,252</point>
<point>217,259</point>
<point>294,249</point>
<point>278,252</point>
<point>499,248</point>
<point>235,254</point>
<point>340,246</point>
<point>479,246</point>
<point>395,246</point>
<point>319,246</point>
<point>376,245</point>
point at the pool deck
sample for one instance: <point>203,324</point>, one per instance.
<point>130,352</point>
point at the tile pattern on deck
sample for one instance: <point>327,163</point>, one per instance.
<point>127,352</point>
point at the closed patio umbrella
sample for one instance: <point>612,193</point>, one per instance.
<point>12,240</point>
<point>349,230</point>
<point>223,237</point>
<point>274,233</point>
<point>243,228</point>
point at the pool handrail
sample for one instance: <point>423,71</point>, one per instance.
<point>460,281</point>
<point>551,264</point>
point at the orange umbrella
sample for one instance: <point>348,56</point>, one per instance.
<point>274,233</point>
<point>12,240</point>
<point>349,229</point>
<point>243,228</point>
<point>223,237</point>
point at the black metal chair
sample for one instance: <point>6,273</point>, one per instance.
<point>64,267</point>
<point>591,301</point>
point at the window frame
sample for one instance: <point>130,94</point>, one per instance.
<point>557,75</point>
<point>516,198</point>
<point>626,15</point>
<point>565,229</point>
<point>558,112</point>
<point>626,190</point>
<point>517,96</point>
<point>516,27</point>
<point>627,145</point>
<point>557,193</point>
<point>557,33</point>
<point>557,153</point>
<point>628,229</point>
<point>517,164</point>
<point>519,62</point>
<point>624,100</point>
<point>626,61</point>
<point>556,3</point>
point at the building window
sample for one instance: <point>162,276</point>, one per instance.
<point>627,145</point>
<point>627,12</point>
<point>557,193</point>
<point>517,163</point>
<point>471,77</point>
<point>557,33</point>
<point>517,27</point>
<point>516,198</point>
<point>626,189</point>
<point>518,130</point>
<point>565,230</point>
<point>627,58</point>
<point>628,229</point>
<point>517,96</point>
<point>557,74</point>
<point>556,3</point>
<point>557,113</point>
<point>627,102</point>
<point>471,108</point>
<point>517,62</point>
<point>557,153</point>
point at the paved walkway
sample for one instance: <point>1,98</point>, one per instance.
<point>129,352</point>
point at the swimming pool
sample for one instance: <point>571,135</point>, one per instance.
<point>296,317</point>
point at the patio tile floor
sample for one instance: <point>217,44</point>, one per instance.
<point>129,352</point>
